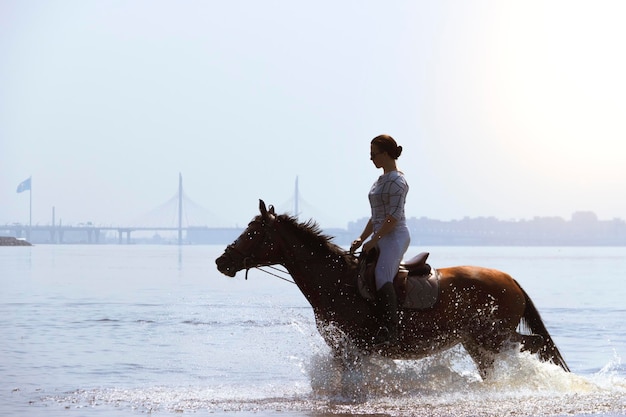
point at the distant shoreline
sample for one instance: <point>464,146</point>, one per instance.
<point>584,229</point>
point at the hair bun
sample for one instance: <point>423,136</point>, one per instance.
<point>387,144</point>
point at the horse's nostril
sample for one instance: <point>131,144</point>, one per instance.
<point>225,266</point>
<point>221,261</point>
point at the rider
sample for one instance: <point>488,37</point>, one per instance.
<point>387,225</point>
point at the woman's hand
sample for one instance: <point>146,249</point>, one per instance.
<point>356,244</point>
<point>369,245</point>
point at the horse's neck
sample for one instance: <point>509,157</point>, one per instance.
<point>319,276</point>
<point>319,269</point>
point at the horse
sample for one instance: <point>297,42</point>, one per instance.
<point>478,308</point>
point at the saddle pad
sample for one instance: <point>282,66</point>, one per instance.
<point>418,292</point>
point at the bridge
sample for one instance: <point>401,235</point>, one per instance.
<point>180,211</point>
<point>56,233</point>
<point>178,206</point>
<point>94,234</point>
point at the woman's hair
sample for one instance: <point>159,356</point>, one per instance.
<point>387,144</point>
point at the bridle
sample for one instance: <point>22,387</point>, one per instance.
<point>269,229</point>
<point>250,260</point>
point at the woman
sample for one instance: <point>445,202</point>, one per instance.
<point>387,226</point>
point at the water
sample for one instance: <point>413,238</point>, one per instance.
<point>129,330</point>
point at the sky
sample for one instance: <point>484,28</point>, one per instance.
<point>506,109</point>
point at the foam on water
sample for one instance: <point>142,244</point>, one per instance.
<point>443,385</point>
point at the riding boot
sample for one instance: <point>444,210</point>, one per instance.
<point>388,304</point>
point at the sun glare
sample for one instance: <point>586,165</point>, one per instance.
<point>560,69</point>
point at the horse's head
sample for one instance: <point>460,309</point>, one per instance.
<point>254,247</point>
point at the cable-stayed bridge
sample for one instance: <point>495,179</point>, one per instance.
<point>178,215</point>
<point>180,218</point>
<point>178,211</point>
<point>302,209</point>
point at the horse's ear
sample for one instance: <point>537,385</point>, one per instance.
<point>272,212</point>
<point>262,208</point>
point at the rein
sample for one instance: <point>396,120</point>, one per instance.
<point>248,260</point>
<point>271,273</point>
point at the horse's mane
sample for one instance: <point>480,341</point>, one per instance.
<point>311,233</point>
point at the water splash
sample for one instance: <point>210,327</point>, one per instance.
<point>449,384</point>
<point>446,384</point>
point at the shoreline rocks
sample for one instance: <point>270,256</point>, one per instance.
<point>13,241</point>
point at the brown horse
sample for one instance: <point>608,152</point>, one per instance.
<point>477,307</point>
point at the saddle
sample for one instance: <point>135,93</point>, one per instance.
<point>416,283</point>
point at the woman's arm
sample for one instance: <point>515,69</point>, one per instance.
<point>388,225</point>
<point>369,228</point>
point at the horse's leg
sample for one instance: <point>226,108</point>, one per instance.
<point>484,344</point>
<point>483,358</point>
<point>532,343</point>
<point>483,349</point>
<point>350,362</point>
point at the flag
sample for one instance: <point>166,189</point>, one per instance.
<point>24,185</point>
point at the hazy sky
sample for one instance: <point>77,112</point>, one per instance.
<point>512,109</point>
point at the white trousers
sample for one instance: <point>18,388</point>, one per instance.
<point>392,248</point>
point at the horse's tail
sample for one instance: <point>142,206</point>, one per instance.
<point>532,321</point>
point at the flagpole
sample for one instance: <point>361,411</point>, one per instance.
<point>30,212</point>
<point>180,208</point>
